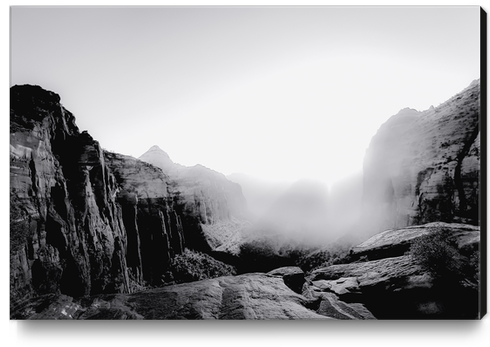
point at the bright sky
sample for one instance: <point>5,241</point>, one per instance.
<point>278,93</point>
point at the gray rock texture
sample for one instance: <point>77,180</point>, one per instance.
<point>424,167</point>
<point>248,296</point>
<point>382,275</point>
<point>217,203</point>
<point>84,221</point>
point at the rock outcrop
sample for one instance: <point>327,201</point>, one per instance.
<point>209,194</point>
<point>156,222</point>
<point>248,296</point>
<point>217,203</point>
<point>383,276</point>
<point>424,167</point>
<point>84,221</point>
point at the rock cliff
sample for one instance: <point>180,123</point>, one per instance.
<point>90,228</point>
<point>425,166</point>
<point>209,194</point>
<point>216,202</point>
<point>66,227</point>
<point>84,221</point>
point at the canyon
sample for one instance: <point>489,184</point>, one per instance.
<point>85,221</point>
<point>94,234</point>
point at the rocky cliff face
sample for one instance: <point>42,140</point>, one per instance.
<point>66,227</point>
<point>209,194</point>
<point>157,224</point>
<point>83,221</point>
<point>217,203</point>
<point>424,166</point>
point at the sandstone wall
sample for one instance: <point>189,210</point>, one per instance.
<point>424,166</point>
<point>83,221</point>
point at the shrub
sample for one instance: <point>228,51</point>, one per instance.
<point>437,254</point>
<point>260,256</point>
<point>323,258</point>
<point>194,266</point>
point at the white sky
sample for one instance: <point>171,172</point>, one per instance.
<point>279,93</point>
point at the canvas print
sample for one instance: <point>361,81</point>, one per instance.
<point>310,163</point>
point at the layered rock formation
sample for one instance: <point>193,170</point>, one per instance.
<point>66,230</point>
<point>217,203</point>
<point>156,221</point>
<point>207,193</point>
<point>424,166</point>
<point>383,275</point>
<point>83,221</point>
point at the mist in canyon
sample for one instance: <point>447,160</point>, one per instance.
<point>420,166</point>
<point>243,152</point>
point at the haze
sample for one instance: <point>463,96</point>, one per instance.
<point>278,93</point>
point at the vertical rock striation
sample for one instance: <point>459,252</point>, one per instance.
<point>84,221</point>
<point>208,198</point>
<point>424,166</point>
<point>209,194</point>
<point>65,225</point>
<point>156,220</point>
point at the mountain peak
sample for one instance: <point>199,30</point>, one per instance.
<point>156,148</point>
<point>407,111</point>
<point>158,157</point>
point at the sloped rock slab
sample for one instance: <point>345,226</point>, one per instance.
<point>346,288</point>
<point>396,242</point>
<point>383,272</point>
<point>331,306</point>
<point>250,296</point>
<point>293,277</point>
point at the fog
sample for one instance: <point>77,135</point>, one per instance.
<point>282,94</point>
<point>304,213</point>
